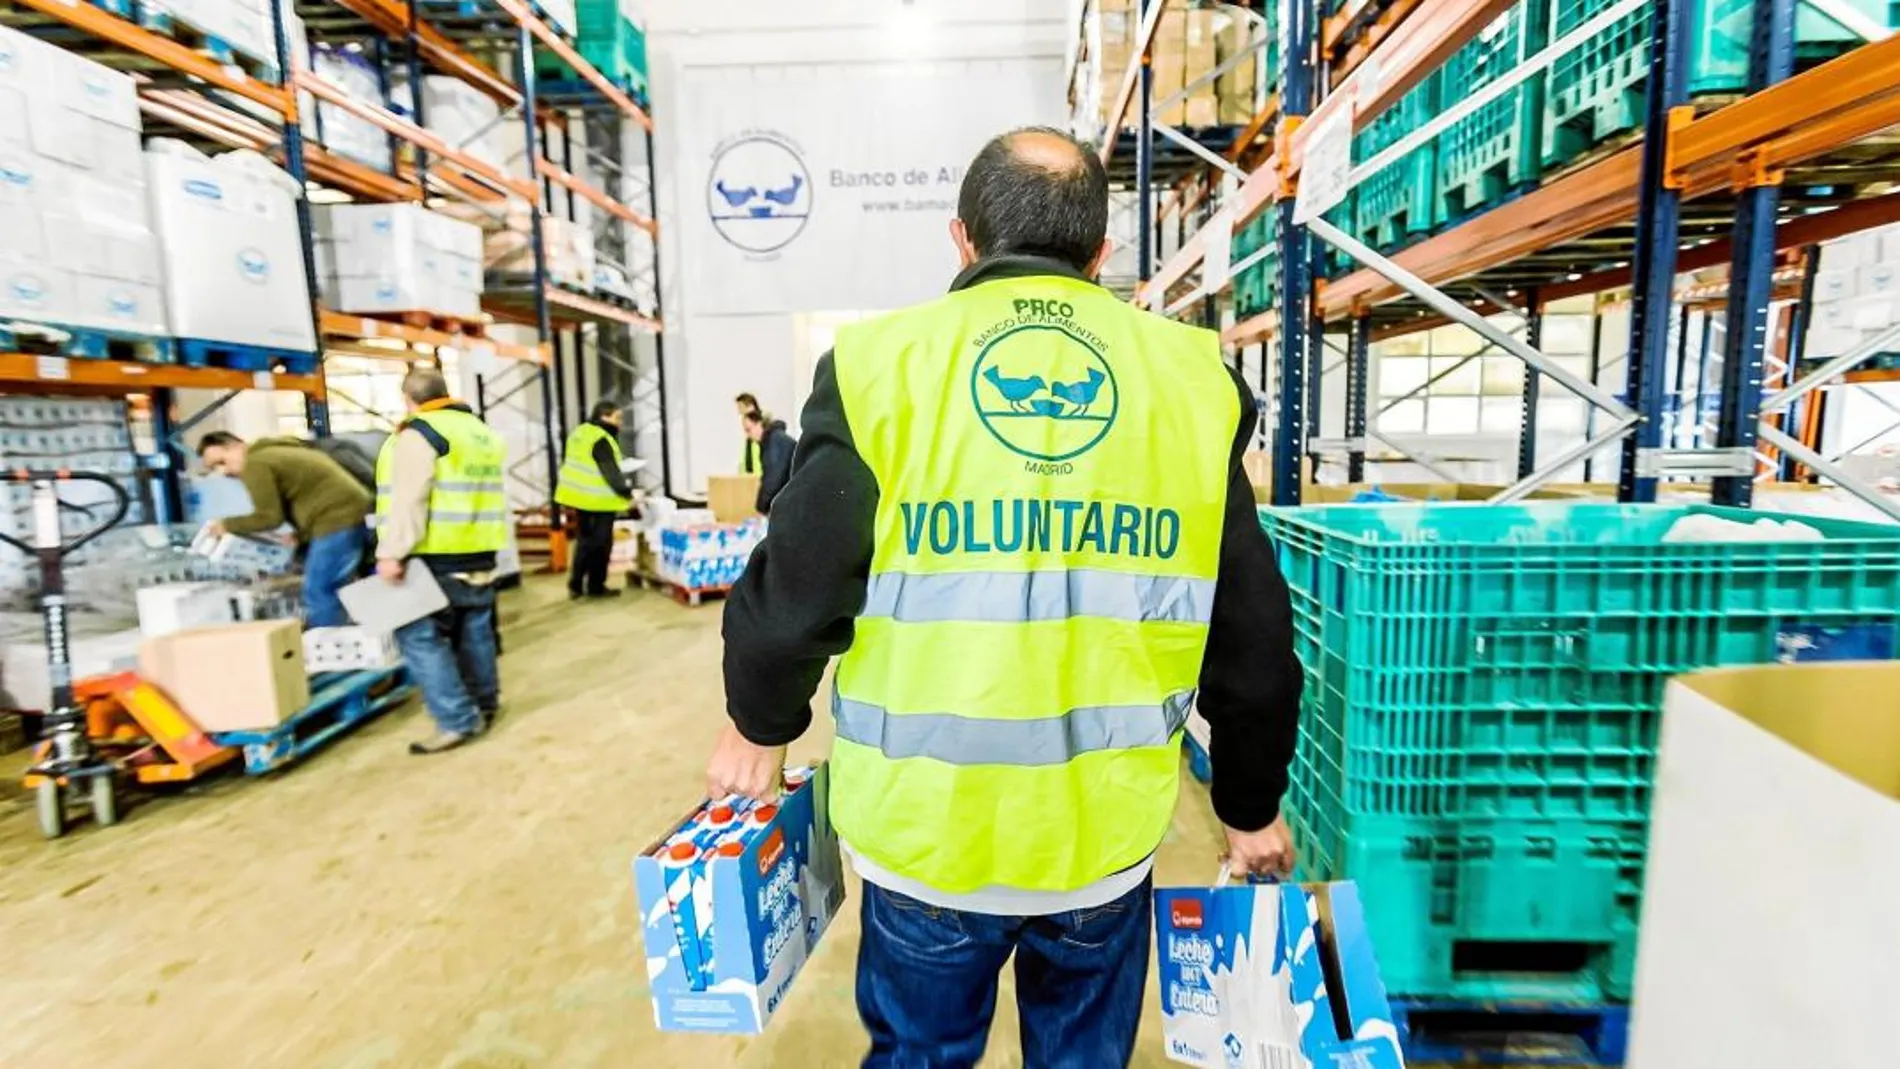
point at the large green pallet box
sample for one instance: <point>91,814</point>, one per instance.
<point>1497,671</point>
<point>1396,203</point>
<point>1491,154</point>
<point>609,40</point>
<point>1596,91</point>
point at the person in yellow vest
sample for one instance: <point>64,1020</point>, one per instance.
<point>1019,514</point>
<point>593,485</point>
<point>440,500</point>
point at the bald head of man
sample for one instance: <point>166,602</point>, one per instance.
<point>1034,192</point>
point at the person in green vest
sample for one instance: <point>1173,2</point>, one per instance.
<point>750,412</point>
<point>592,484</point>
<point>441,500</point>
<point>1018,513</point>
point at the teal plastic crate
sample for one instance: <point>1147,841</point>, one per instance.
<point>1596,91</point>
<point>1493,153</point>
<point>1396,203</point>
<point>614,44</point>
<point>1520,910</point>
<point>1478,669</point>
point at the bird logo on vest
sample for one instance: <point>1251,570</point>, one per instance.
<point>1044,392</point>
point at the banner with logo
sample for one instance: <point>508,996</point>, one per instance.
<point>811,188</point>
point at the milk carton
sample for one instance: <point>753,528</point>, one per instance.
<point>732,902</point>
<point>1244,979</point>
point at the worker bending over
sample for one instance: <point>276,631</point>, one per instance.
<point>291,481</point>
<point>440,500</point>
<point>592,484</point>
<point>776,447</point>
<point>1019,513</point>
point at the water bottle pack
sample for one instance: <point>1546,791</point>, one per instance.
<point>702,556</point>
<point>732,902</point>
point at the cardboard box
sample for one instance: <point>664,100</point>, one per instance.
<point>1203,104</point>
<point>237,677</point>
<point>1237,85</point>
<point>398,257</point>
<point>1748,963</point>
<point>348,649</point>
<point>724,962</point>
<point>732,497</point>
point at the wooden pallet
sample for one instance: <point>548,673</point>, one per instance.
<point>340,701</point>
<point>690,597</point>
<point>1478,1032</point>
<point>440,322</point>
<point>83,343</point>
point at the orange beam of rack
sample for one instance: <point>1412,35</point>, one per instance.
<point>1256,328</point>
<point>108,27</point>
<point>597,197</point>
<point>392,18</point>
<point>1137,59</point>
<point>342,325</point>
<point>124,376</point>
<point>438,149</point>
<point>522,15</point>
<point>1347,60</point>
<point>1334,26</point>
<point>561,298</point>
<point>1871,376</point>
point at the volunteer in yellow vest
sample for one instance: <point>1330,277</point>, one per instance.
<point>440,501</point>
<point>593,485</point>
<point>1019,513</point>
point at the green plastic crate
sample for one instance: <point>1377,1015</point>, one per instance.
<point>1396,203</point>
<point>1596,91</point>
<point>607,39</point>
<point>1476,668</point>
<point>1491,154</point>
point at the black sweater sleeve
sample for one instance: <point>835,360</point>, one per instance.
<point>1250,677</point>
<point>795,606</point>
<point>609,470</point>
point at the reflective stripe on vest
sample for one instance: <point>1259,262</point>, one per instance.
<point>1052,471</point>
<point>468,500</point>
<point>581,485</point>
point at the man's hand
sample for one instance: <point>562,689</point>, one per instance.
<point>745,768</point>
<point>215,528</point>
<point>1267,852</point>
<point>390,571</point>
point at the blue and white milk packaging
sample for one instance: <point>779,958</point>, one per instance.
<point>733,900</point>
<point>1244,979</point>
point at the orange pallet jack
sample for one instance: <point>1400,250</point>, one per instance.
<point>136,727</point>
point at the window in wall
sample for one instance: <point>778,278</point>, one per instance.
<point>1483,395</point>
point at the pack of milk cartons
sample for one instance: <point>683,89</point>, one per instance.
<point>398,258</point>
<point>76,241</point>
<point>244,26</point>
<point>459,114</point>
<point>234,269</point>
<point>348,648</point>
<point>733,900</point>
<point>1856,295</point>
<point>1245,979</point>
<point>341,132</point>
<point>699,554</point>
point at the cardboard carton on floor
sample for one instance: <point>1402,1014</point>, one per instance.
<point>732,497</point>
<point>1769,929</point>
<point>234,677</point>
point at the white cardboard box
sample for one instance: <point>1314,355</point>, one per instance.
<point>170,607</point>
<point>347,649</point>
<point>233,259</point>
<point>398,257</point>
<point>1770,937</point>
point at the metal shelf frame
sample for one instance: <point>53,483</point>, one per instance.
<point>221,105</point>
<point>1700,188</point>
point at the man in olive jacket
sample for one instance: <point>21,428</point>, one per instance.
<point>291,481</point>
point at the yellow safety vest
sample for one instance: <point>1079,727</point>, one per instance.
<point>581,485</point>
<point>1052,471</point>
<point>468,502</point>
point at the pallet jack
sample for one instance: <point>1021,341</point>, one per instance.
<point>69,767</point>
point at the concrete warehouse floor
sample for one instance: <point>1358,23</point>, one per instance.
<point>369,909</point>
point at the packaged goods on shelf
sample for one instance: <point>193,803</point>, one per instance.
<point>87,434</point>
<point>98,645</point>
<point>1232,37</point>
<point>1856,295</point>
<point>397,258</point>
<point>698,553</point>
<point>508,249</point>
<point>244,25</point>
<point>237,677</point>
<point>459,114</point>
<point>170,607</point>
<point>232,254</point>
<point>339,131</point>
<point>347,649</point>
<point>76,242</point>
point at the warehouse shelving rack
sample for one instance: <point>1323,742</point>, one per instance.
<point>1698,188</point>
<point>191,95</point>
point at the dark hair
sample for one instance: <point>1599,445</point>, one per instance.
<point>753,415</point>
<point>217,438</point>
<point>603,409</point>
<point>1036,191</point>
<point>750,402</point>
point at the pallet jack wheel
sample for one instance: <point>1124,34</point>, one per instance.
<point>105,801</point>
<point>52,808</point>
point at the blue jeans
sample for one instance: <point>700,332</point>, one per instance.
<point>927,982</point>
<point>451,654</point>
<point>332,561</point>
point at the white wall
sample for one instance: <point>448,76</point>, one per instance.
<point>750,45</point>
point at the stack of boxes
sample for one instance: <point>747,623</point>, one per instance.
<point>1856,295</point>
<point>699,554</point>
<point>244,25</point>
<point>1187,45</point>
<point>397,258</point>
<point>81,434</point>
<point>459,114</point>
<point>337,130</point>
<point>233,258</point>
<point>76,242</point>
